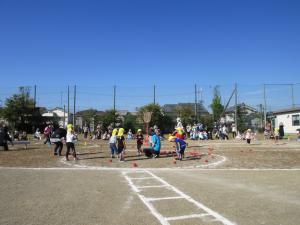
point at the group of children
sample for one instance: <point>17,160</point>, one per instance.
<point>117,143</point>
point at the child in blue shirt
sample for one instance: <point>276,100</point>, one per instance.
<point>180,146</point>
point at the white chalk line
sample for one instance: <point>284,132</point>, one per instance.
<point>208,165</point>
<point>137,170</point>
<point>151,186</point>
<point>163,198</point>
<point>164,220</point>
<point>187,216</point>
<point>141,178</point>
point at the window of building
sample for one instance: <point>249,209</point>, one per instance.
<point>296,120</point>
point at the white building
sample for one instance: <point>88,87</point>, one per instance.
<point>58,112</point>
<point>289,117</point>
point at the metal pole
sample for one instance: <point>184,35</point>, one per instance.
<point>64,116</point>
<point>68,103</point>
<point>195,102</point>
<point>61,99</point>
<point>265,105</point>
<point>74,107</point>
<point>114,105</point>
<point>114,97</point>
<point>293,100</point>
<point>261,116</point>
<point>154,94</point>
<point>236,100</point>
<point>34,97</point>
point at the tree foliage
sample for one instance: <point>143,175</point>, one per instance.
<point>216,105</point>
<point>186,114</point>
<point>88,116</point>
<point>130,122</point>
<point>159,118</point>
<point>242,119</point>
<point>20,111</point>
<point>108,118</point>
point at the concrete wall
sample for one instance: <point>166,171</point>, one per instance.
<point>286,119</point>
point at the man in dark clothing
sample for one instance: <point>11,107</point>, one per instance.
<point>57,137</point>
<point>4,138</point>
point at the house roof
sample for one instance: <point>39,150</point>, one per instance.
<point>232,108</point>
<point>288,110</point>
<point>171,108</point>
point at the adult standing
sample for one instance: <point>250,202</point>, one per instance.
<point>281,130</point>
<point>58,136</point>
<point>85,131</point>
<point>233,130</point>
<point>4,137</point>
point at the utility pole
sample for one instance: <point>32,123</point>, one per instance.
<point>154,94</point>
<point>236,107</point>
<point>114,97</point>
<point>195,102</point>
<point>114,105</point>
<point>64,116</point>
<point>61,99</point>
<point>293,100</point>
<point>68,103</point>
<point>265,106</point>
<point>34,97</point>
<point>74,106</point>
<point>261,116</point>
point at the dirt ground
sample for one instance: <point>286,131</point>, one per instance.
<point>218,182</point>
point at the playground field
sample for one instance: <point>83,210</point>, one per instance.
<point>218,182</point>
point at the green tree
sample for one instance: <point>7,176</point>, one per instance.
<point>109,117</point>
<point>242,119</point>
<point>20,111</point>
<point>88,116</point>
<point>186,114</point>
<point>208,121</point>
<point>158,117</point>
<point>216,105</point>
<point>130,122</point>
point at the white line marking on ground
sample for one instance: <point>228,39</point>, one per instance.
<point>200,205</point>
<point>153,186</point>
<point>208,165</point>
<point>187,216</point>
<point>164,220</point>
<point>165,198</point>
<point>140,170</point>
<point>146,202</point>
<point>141,178</point>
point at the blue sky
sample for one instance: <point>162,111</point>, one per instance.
<point>136,44</point>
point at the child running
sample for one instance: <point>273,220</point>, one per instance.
<point>139,141</point>
<point>180,146</point>
<point>121,145</point>
<point>112,143</point>
<point>71,137</point>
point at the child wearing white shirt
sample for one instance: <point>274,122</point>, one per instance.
<point>71,137</point>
